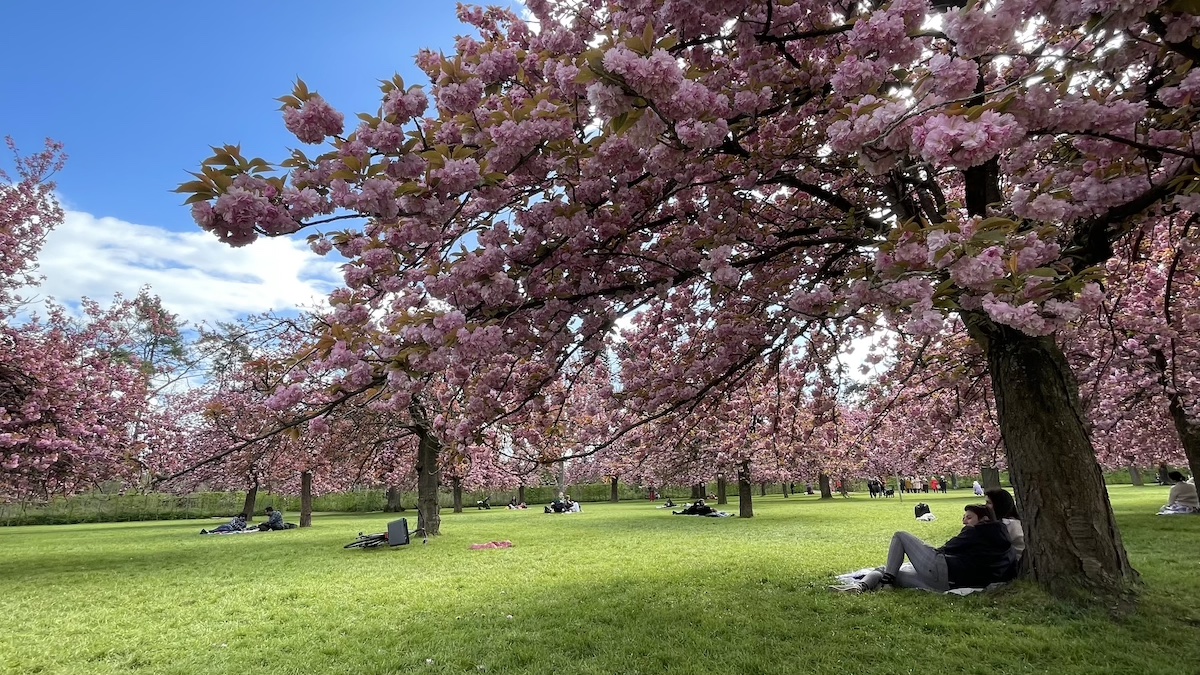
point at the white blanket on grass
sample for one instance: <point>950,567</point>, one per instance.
<point>855,577</point>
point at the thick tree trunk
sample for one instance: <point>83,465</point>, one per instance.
<point>698,491</point>
<point>521,494</point>
<point>395,500</point>
<point>783,487</point>
<point>953,482</point>
<point>1072,539</point>
<point>457,492</point>
<point>722,491</point>
<point>612,492</point>
<point>429,474</point>
<point>745,492</point>
<point>826,492</point>
<point>306,499</point>
<point>1135,475</point>
<point>248,505</point>
<point>1162,474</point>
<point>1189,433</point>
<point>990,477</point>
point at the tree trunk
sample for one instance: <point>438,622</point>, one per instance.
<point>521,494</point>
<point>306,499</point>
<point>1162,474</point>
<point>698,491</point>
<point>953,482</point>
<point>1135,475</point>
<point>762,489</point>
<point>1189,433</point>
<point>826,492</point>
<point>429,475</point>
<point>248,505</point>
<point>1072,538</point>
<point>990,477</point>
<point>395,500</point>
<point>722,491</point>
<point>745,492</point>
<point>457,491</point>
<point>612,493</point>
<point>783,487</point>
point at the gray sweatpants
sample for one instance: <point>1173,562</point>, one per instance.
<point>929,567</point>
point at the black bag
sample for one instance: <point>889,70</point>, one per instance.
<point>920,509</point>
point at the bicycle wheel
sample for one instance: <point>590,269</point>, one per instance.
<point>368,541</point>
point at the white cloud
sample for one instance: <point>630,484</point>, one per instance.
<point>197,277</point>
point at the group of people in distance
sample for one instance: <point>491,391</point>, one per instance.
<point>1182,500</point>
<point>924,485</point>
<point>564,504</point>
<point>986,551</point>
<point>238,524</point>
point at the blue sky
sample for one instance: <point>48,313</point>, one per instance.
<point>139,90</point>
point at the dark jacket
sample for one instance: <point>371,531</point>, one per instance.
<point>978,556</point>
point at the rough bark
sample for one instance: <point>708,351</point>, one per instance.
<point>612,492</point>
<point>1135,475</point>
<point>722,491</point>
<point>826,492</point>
<point>456,490</point>
<point>1189,433</point>
<point>698,491</point>
<point>521,494</point>
<point>429,474</point>
<point>1072,539</point>
<point>306,499</point>
<point>745,492</point>
<point>990,477</point>
<point>248,505</point>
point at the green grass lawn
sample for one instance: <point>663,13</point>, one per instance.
<point>620,588</point>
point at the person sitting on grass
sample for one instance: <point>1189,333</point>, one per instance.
<point>979,555</point>
<point>698,508</point>
<point>562,504</point>
<point>274,521</point>
<point>236,525</point>
<point>514,504</point>
<point>1004,509</point>
<point>1182,499</point>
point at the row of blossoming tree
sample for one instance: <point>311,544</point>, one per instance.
<point>759,176</point>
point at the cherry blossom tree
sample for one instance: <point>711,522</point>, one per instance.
<point>73,389</point>
<point>788,165</point>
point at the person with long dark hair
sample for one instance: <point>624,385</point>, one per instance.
<point>1004,509</point>
<point>1182,498</point>
<point>979,555</point>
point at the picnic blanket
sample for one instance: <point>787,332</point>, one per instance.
<point>490,545</point>
<point>715,514</point>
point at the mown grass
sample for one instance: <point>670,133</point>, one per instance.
<point>620,588</point>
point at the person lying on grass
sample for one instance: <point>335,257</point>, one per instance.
<point>698,508</point>
<point>979,555</point>
<point>236,525</point>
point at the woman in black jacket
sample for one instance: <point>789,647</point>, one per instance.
<point>977,556</point>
